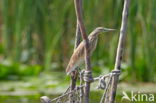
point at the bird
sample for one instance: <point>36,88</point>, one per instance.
<point>77,57</point>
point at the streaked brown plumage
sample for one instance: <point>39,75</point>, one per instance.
<point>77,57</point>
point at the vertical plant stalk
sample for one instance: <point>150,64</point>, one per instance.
<point>86,41</point>
<point>6,10</point>
<point>78,36</point>
<point>75,73</point>
<point>120,50</point>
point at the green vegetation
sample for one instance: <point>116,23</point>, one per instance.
<point>41,32</point>
<point>37,36</point>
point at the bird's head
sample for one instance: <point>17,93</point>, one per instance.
<point>98,30</point>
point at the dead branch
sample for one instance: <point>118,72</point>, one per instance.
<point>86,41</point>
<point>120,50</point>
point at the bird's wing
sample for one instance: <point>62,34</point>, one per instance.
<point>75,58</point>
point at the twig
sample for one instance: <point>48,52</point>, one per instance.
<point>63,95</point>
<point>77,42</point>
<point>78,35</point>
<point>120,50</point>
<point>85,38</point>
<point>75,73</point>
<point>106,89</point>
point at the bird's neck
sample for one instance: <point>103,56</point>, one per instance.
<point>92,42</point>
<point>94,34</point>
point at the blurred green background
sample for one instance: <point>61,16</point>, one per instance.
<point>37,40</point>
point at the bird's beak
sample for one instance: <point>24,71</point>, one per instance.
<point>108,29</point>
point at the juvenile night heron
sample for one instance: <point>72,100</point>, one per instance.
<point>77,57</point>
